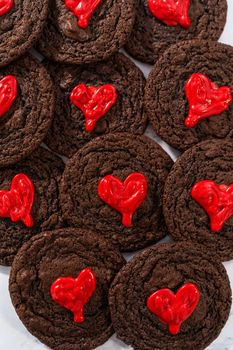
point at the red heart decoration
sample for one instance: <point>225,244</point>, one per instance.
<point>171,12</point>
<point>174,309</point>
<point>217,201</point>
<point>83,10</point>
<point>16,204</point>
<point>94,102</point>
<point>8,93</point>
<point>6,6</point>
<point>125,196</point>
<point>74,293</point>
<point>205,99</point>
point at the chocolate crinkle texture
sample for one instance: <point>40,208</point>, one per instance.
<point>165,101</point>
<point>20,28</point>
<point>64,253</point>
<point>45,170</point>
<point>119,155</point>
<point>108,30</point>
<point>25,125</point>
<point>185,218</point>
<point>151,37</point>
<point>170,266</point>
<point>68,132</point>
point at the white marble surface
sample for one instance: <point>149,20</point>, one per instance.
<point>13,335</point>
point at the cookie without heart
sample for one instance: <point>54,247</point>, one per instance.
<point>26,109</point>
<point>198,204</point>
<point>120,109</point>
<point>188,96</point>
<point>171,296</point>
<point>21,24</point>
<point>160,24</point>
<point>61,274</point>
<point>86,31</point>
<point>39,210</point>
<point>114,185</point>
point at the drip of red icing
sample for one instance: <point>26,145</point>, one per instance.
<point>171,12</point>
<point>74,293</point>
<point>83,10</point>
<point>174,309</point>
<point>5,6</point>
<point>205,99</point>
<point>125,196</point>
<point>16,204</point>
<point>94,102</point>
<point>8,93</point>
<point>217,201</point>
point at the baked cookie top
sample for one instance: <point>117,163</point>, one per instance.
<point>29,201</point>
<point>188,96</point>
<point>160,24</point>
<point>21,24</point>
<point>114,185</point>
<point>87,33</point>
<point>59,287</point>
<point>93,100</point>
<point>171,296</point>
<point>198,197</point>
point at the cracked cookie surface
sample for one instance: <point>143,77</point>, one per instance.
<point>68,132</point>
<point>45,170</point>
<point>26,123</point>
<point>185,218</point>
<point>151,37</point>
<point>170,266</point>
<point>108,30</point>
<point>49,256</point>
<point>165,101</point>
<point>20,28</point>
<point>119,155</point>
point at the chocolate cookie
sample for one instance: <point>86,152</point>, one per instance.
<point>21,24</point>
<point>59,286</point>
<point>188,97</point>
<point>70,130</point>
<point>160,24</point>
<point>114,185</point>
<point>86,31</point>
<point>198,203</point>
<point>29,201</point>
<point>26,109</point>
<point>171,296</point>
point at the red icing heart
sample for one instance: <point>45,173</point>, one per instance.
<point>174,309</point>
<point>205,99</point>
<point>125,196</point>
<point>74,293</point>
<point>5,6</point>
<point>217,201</point>
<point>83,10</point>
<point>171,12</point>
<point>94,102</point>
<point>16,204</point>
<point>8,93</point>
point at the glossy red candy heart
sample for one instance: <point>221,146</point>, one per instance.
<point>83,10</point>
<point>174,309</point>
<point>74,293</point>
<point>16,203</point>
<point>8,93</point>
<point>171,12</point>
<point>94,102</point>
<point>217,201</point>
<point>125,196</point>
<point>5,6</point>
<point>205,99</point>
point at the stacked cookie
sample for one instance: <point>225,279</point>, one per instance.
<point>80,184</point>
